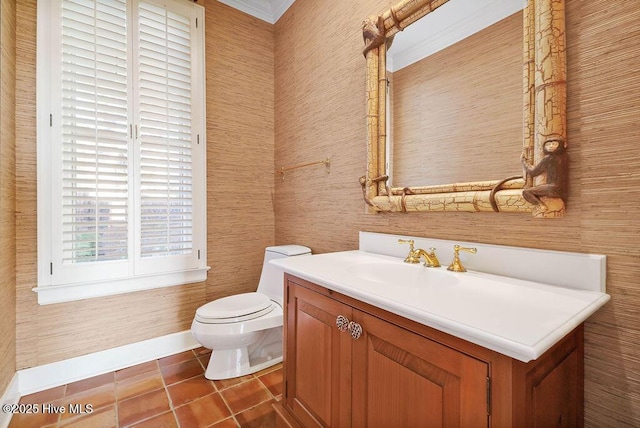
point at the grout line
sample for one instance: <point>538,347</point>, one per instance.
<point>227,404</point>
<point>150,374</point>
<point>268,390</point>
<point>173,407</point>
<point>235,420</point>
<point>219,392</point>
<point>166,391</point>
<point>64,395</point>
<point>233,415</point>
<point>115,398</point>
<point>116,404</point>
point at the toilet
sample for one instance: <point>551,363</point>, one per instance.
<point>244,331</point>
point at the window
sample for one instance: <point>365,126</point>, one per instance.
<point>121,147</point>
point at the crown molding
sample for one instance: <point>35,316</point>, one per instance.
<point>267,10</point>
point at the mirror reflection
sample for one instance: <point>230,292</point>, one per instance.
<point>454,100</point>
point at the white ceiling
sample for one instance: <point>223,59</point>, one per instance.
<point>455,21</point>
<point>267,10</point>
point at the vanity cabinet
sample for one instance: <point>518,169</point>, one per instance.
<point>386,371</point>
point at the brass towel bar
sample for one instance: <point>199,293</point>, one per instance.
<point>326,162</point>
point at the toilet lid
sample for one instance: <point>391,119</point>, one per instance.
<point>239,307</point>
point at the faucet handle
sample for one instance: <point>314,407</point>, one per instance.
<point>407,241</point>
<point>411,257</point>
<point>456,265</point>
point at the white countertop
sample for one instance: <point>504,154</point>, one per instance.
<point>521,319</point>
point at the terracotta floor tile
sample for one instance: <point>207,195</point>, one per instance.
<point>40,419</point>
<point>164,420</point>
<point>136,370</point>
<point>273,381</point>
<point>228,383</point>
<point>142,407</point>
<point>201,351</point>
<point>138,385</point>
<point>260,416</point>
<point>181,371</point>
<point>204,359</point>
<point>176,358</point>
<point>92,382</point>
<point>97,397</point>
<point>103,418</point>
<point>46,396</point>
<point>202,412</point>
<point>227,423</point>
<point>145,394</point>
<point>245,395</point>
<point>189,390</point>
<point>268,370</point>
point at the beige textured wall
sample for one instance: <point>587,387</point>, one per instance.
<point>240,140</point>
<point>320,108</point>
<point>239,52</point>
<point>7,194</point>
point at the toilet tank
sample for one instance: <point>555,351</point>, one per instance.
<point>272,279</point>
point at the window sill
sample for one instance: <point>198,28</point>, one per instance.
<point>50,294</point>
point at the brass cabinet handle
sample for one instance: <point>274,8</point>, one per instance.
<point>343,323</point>
<point>355,329</point>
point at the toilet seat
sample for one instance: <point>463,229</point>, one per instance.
<point>236,308</point>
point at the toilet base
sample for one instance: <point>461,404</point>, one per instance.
<point>233,363</point>
<point>236,362</point>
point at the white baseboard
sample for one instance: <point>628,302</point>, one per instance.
<point>10,396</point>
<point>39,378</point>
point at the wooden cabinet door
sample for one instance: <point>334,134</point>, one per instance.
<point>403,379</point>
<point>317,359</point>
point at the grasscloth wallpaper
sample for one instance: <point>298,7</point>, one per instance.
<point>7,194</point>
<point>239,51</point>
<point>320,110</point>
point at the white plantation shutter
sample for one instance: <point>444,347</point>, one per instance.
<point>166,180</point>
<point>121,147</point>
<point>95,127</point>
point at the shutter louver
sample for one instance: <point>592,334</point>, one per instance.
<point>166,180</point>
<point>94,131</point>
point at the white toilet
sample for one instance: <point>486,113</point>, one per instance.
<point>245,330</point>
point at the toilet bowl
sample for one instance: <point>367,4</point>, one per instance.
<point>244,331</point>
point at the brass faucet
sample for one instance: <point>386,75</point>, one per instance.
<point>430,259</point>
<point>414,255</point>
<point>456,265</point>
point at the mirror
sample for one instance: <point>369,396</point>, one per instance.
<point>442,74</point>
<point>533,181</point>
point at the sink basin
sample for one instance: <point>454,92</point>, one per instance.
<point>518,318</point>
<point>400,274</point>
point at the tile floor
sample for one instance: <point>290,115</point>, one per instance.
<point>169,392</point>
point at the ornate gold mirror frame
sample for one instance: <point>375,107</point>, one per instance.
<point>542,188</point>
